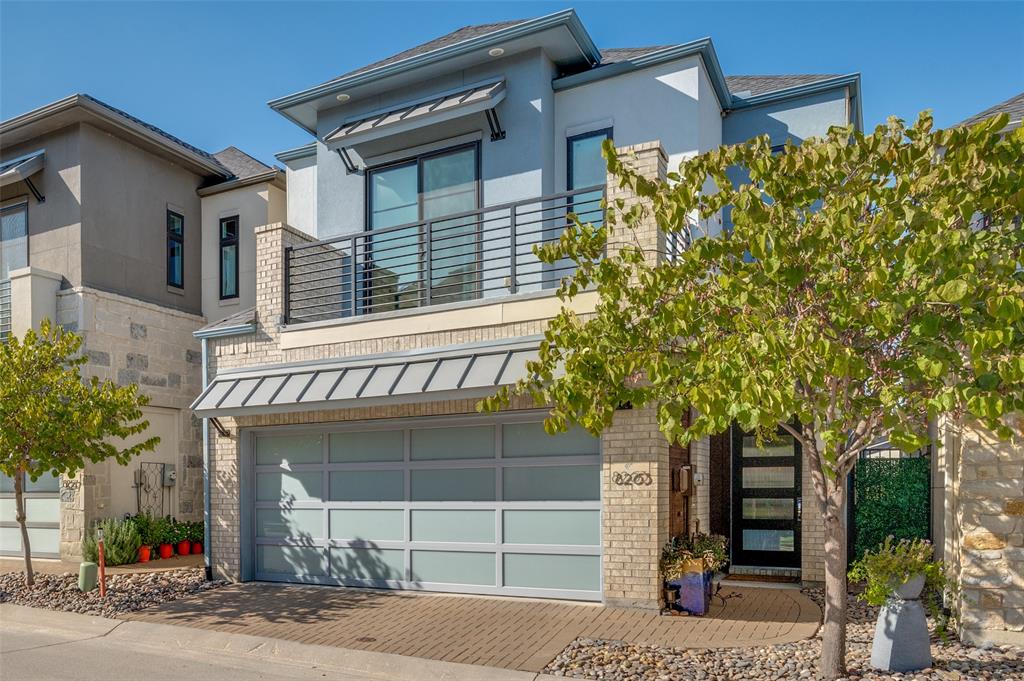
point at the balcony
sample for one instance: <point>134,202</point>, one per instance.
<point>481,255</point>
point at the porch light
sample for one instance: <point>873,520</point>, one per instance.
<point>343,97</point>
<point>496,51</point>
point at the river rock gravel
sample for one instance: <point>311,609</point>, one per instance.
<point>620,661</point>
<point>125,592</point>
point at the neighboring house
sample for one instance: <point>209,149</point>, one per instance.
<point>101,220</point>
<point>347,448</point>
<point>982,505</point>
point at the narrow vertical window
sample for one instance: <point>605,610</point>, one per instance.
<point>175,250</point>
<point>229,257</point>
<point>13,239</point>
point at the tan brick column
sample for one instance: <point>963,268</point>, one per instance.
<point>635,509</point>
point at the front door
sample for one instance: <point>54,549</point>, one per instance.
<point>765,500</point>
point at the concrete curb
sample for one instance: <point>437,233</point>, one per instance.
<point>165,637</point>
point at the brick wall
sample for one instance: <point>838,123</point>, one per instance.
<point>129,341</point>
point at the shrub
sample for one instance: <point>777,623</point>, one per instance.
<point>892,499</point>
<point>121,542</point>
<point>709,547</point>
<point>195,531</point>
<point>146,525</point>
<point>163,532</point>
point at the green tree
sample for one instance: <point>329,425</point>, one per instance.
<point>857,293</point>
<point>52,421</point>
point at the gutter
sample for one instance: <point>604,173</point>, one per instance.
<point>851,80</point>
<point>273,176</point>
<point>305,151</point>
<point>204,337</point>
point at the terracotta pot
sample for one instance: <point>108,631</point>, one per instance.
<point>144,552</point>
<point>197,547</point>
<point>184,547</point>
<point>166,550</point>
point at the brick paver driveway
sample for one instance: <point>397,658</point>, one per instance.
<point>511,633</point>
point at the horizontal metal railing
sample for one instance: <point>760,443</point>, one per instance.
<point>5,309</point>
<point>483,253</point>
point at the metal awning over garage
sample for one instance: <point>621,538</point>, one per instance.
<point>457,373</point>
<point>423,112</point>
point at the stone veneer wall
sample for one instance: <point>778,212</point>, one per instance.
<point>635,520</point>
<point>812,530</point>
<point>984,529</point>
<point>129,341</point>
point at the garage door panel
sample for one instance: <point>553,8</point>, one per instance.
<point>282,450</point>
<point>367,524</point>
<point>558,527</point>
<point>529,439</point>
<point>552,483</point>
<point>475,442</point>
<point>453,484</point>
<point>291,560</point>
<point>290,486</point>
<point>542,571</point>
<point>281,523</point>
<point>350,564</point>
<point>453,567</point>
<point>388,485</point>
<point>361,447</point>
<point>441,525</point>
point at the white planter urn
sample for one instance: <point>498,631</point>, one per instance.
<point>901,641</point>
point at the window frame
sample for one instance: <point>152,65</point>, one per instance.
<point>13,205</point>
<point>607,133</point>
<point>180,240</point>
<point>222,243</point>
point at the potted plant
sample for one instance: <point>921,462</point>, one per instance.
<point>180,533</point>
<point>144,524</point>
<point>163,536</point>
<point>713,549</point>
<point>196,530</point>
<point>898,577</point>
<point>687,567</point>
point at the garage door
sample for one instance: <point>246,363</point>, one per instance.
<point>42,512</point>
<point>472,506</point>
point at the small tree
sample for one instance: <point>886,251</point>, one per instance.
<point>53,422</point>
<point>857,293</point>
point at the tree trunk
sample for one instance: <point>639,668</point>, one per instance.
<point>833,630</point>
<point>19,502</point>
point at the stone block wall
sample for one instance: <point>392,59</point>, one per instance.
<point>984,529</point>
<point>130,341</point>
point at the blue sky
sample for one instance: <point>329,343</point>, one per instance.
<point>204,71</point>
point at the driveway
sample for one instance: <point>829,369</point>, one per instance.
<point>509,633</point>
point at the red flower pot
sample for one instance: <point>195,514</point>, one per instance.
<point>144,554</point>
<point>184,547</point>
<point>166,550</point>
<point>197,547</point>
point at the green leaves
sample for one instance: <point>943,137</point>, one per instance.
<point>53,422</point>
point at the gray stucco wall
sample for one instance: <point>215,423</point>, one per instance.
<point>55,225</point>
<point>126,193</point>
<point>795,119</point>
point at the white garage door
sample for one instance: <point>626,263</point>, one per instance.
<point>474,506</point>
<point>42,512</point>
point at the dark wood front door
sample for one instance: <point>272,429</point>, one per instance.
<point>765,501</point>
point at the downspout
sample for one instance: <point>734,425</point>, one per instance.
<point>207,563</point>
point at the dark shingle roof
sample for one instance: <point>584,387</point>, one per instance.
<point>759,85</point>
<point>168,136</point>
<point>241,164</point>
<point>613,55</point>
<point>1014,106</point>
<point>462,34</point>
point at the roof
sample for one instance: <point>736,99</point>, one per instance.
<point>241,164</point>
<point>613,55</point>
<point>438,374</point>
<point>759,85</point>
<point>457,36</point>
<point>243,321</point>
<point>1014,106</point>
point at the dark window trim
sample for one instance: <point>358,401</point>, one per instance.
<point>238,255</point>
<point>179,239</point>
<point>602,132</point>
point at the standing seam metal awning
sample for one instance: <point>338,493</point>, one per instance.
<point>471,100</point>
<point>20,169</point>
<point>456,374</point>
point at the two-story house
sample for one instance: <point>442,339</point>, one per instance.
<point>114,229</point>
<point>347,447</point>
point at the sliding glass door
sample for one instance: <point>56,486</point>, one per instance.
<point>417,190</point>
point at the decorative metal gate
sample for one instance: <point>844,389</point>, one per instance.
<point>149,489</point>
<point>889,494</point>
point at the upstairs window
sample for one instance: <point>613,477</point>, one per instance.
<point>13,239</point>
<point>175,250</point>
<point>229,257</point>
<point>587,168</point>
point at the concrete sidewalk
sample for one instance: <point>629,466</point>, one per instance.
<point>110,649</point>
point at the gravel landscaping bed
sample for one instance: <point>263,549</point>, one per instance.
<point>125,593</point>
<point>620,661</point>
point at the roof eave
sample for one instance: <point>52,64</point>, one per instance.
<point>305,151</point>
<point>567,18</point>
<point>851,80</point>
<point>273,176</point>
<point>703,47</point>
<point>130,126</point>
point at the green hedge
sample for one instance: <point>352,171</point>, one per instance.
<point>893,498</point>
